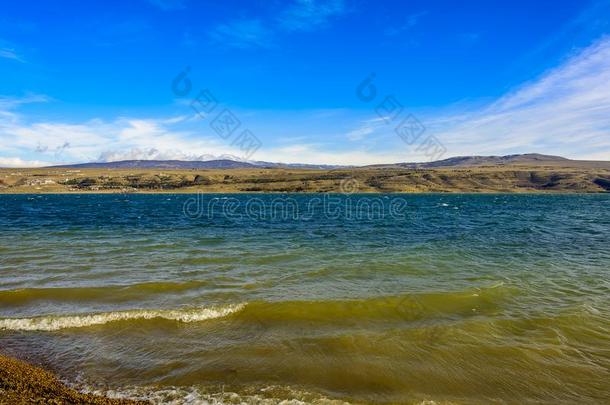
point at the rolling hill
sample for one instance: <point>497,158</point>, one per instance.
<point>528,159</point>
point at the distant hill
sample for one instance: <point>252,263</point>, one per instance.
<point>163,164</point>
<point>528,159</point>
<point>194,164</point>
<point>464,174</point>
<point>270,165</point>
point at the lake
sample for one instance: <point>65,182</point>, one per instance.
<point>377,298</point>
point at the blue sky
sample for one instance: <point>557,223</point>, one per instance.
<point>91,81</point>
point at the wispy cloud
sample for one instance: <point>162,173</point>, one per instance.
<point>359,133</point>
<point>24,143</point>
<point>9,53</point>
<point>18,162</point>
<point>299,15</point>
<point>367,127</point>
<point>566,111</point>
<point>306,15</point>
<point>243,33</point>
<point>43,142</point>
<point>411,21</point>
<point>96,140</point>
<point>7,103</point>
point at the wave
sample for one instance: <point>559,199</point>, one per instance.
<point>53,323</point>
<point>194,395</point>
<point>116,293</point>
<point>402,308</point>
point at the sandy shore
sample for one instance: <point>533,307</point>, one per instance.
<point>22,383</point>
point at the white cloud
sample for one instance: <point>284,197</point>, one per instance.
<point>18,162</point>
<point>7,103</point>
<point>306,15</point>
<point>99,140</point>
<point>566,111</point>
<point>9,53</point>
<point>359,133</point>
<point>155,154</point>
<point>368,127</point>
<point>298,15</point>
<point>243,33</point>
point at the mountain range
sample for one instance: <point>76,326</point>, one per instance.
<point>459,161</point>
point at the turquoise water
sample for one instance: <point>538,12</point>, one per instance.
<point>356,298</point>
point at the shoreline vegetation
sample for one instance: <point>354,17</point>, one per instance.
<point>23,383</point>
<point>540,178</point>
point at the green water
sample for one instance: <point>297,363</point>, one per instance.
<point>465,299</point>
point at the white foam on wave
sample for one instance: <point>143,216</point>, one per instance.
<point>51,323</point>
<point>195,396</point>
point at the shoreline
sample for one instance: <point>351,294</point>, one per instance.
<point>495,179</point>
<point>22,382</point>
<point>223,193</point>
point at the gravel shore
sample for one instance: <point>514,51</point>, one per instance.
<point>22,383</point>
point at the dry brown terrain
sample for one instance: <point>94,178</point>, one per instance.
<point>568,176</point>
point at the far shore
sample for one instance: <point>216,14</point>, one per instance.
<point>541,178</point>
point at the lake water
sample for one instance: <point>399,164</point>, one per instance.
<point>457,298</point>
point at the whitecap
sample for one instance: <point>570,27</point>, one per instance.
<point>52,323</point>
<point>195,396</point>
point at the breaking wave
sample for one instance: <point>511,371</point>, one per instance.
<point>52,323</point>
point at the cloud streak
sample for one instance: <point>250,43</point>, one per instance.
<point>243,33</point>
<point>9,53</point>
<point>299,15</point>
<point>566,111</point>
<point>307,15</point>
<point>410,22</point>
